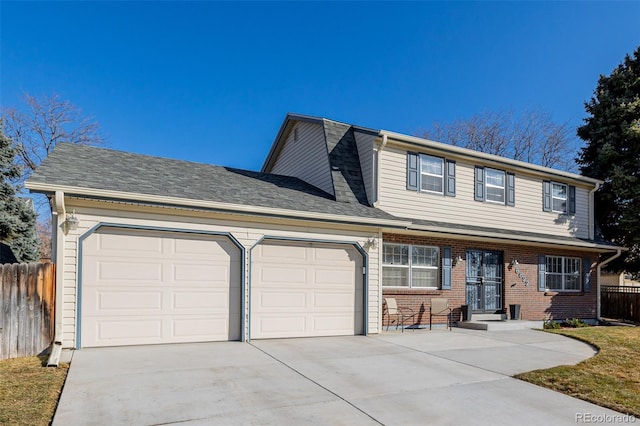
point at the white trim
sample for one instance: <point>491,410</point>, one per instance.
<point>102,193</point>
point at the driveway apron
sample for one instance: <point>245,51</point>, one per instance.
<point>414,378</point>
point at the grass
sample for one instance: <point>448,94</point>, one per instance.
<point>610,379</point>
<point>29,391</point>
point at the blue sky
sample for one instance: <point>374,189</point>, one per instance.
<point>212,81</point>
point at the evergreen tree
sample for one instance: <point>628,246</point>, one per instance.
<point>612,154</point>
<point>17,218</point>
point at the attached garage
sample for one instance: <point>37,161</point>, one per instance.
<point>305,289</point>
<point>149,287</point>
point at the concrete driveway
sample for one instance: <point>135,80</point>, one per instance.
<point>414,378</point>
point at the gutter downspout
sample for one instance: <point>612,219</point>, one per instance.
<point>598,270</point>
<point>381,147</point>
<point>592,214</point>
<point>58,215</point>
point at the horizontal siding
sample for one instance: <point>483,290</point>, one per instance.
<point>306,158</point>
<point>364,143</point>
<point>247,233</point>
<point>527,215</point>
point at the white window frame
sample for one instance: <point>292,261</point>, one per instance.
<point>565,199</point>
<point>564,274</point>
<point>422,158</point>
<point>488,185</point>
<point>410,267</point>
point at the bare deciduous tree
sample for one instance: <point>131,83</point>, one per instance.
<point>41,124</point>
<point>531,136</point>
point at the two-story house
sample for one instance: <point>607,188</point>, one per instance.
<point>154,250</point>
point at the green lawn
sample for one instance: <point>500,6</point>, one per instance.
<point>610,379</point>
<point>29,392</point>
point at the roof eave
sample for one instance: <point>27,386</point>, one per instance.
<point>543,240</point>
<point>443,147</point>
<point>45,188</point>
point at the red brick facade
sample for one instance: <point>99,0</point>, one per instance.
<point>535,305</point>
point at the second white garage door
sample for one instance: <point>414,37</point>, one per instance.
<point>306,289</point>
<point>142,287</point>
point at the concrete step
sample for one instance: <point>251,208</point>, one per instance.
<point>488,317</point>
<point>499,325</point>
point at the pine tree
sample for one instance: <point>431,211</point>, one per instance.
<point>17,218</point>
<point>612,154</point>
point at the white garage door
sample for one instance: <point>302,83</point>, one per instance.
<point>306,289</point>
<point>144,287</point>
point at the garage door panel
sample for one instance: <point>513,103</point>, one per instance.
<point>142,297</point>
<point>276,300</point>
<point>333,301</point>
<point>306,289</point>
<point>193,273</point>
<point>274,253</point>
<point>282,326</point>
<point>137,244</point>
<point>129,271</point>
<point>328,323</point>
<point>201,300</point>
<point>282,275</point>
<point>126,300</point>
<point>128,331</point>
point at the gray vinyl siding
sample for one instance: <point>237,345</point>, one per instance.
<point>526,215</point>
<point>364,143</point>
<point>306,158</point>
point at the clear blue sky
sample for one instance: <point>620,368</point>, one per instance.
<point>212,81</point>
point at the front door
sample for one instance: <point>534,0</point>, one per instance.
<point>484,280</point>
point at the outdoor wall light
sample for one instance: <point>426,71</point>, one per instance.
<point>514,263</point>
<point>371,243</point>
<point>72,222</point>
<point>458,259</point>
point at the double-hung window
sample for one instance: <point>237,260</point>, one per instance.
<point>409,266</point>
<point>431,174</point>
<point>563,273</point>
<point>558,197</point>
<point>495,186</point>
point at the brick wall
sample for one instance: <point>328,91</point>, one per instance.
<point>535,305</point>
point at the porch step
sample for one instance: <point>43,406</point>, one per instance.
<point>493,325</point>
<point>488,317</point>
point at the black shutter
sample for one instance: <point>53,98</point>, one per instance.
<point>412,171</point>
<point>447,263</point>
<point>571,207</point>
<point>542,272</point>
<point>479,193</point>
<point>546,196</point>
<point>511,189</point>
<point>450,178</point>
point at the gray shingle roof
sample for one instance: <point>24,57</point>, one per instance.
<point>105,169</point>
<point>345,163</point>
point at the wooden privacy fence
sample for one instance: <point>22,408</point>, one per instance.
<point>619,302</point>
<point>27,293</point>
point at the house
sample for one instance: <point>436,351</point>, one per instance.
<point>154,250</point>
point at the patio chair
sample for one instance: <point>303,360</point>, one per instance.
<point>439,307</point>
<point>400,314</point>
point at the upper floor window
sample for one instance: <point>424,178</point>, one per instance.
<point>427,173</point>
<point>558,197</point>
<point>431,174</point>
<point>495,186</point>
<point>410,266</point>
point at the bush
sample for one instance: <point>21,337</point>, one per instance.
<point>575,323</point>
<point>551,325</point>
